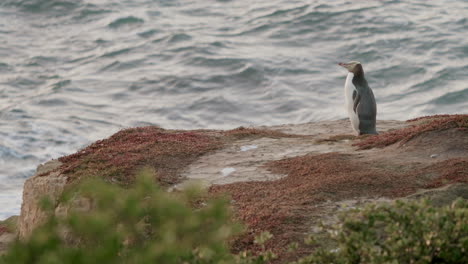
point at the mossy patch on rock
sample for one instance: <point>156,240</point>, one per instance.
<point>423,125</point>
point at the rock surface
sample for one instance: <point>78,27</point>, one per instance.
<point>5,240</point>
<point>249,164</point>
<point>36,188</point>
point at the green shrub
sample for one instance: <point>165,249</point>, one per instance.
<point>143,224</point>
<point>402,232</point>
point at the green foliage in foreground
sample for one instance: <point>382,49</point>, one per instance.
<point>143,224</point>
<point>401,232</point>
<point>146,224</point>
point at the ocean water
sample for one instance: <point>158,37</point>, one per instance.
<point>74,71</point>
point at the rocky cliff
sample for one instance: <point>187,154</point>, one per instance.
<point>284,179</point>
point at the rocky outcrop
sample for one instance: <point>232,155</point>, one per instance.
<point>47,182</point>
<point>311,169</point>
<point>117,160</point>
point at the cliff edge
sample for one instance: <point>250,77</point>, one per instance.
<point>284,179</point>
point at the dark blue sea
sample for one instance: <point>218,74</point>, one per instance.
<point>74,71</point>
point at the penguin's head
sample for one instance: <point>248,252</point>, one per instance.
<point>352,66</point>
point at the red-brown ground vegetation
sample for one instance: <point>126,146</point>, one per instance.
<point>423,125</point>
<point>427,117</point>
<point>251,133</point>
<point>122,155</point>
<point>285,207</point>
<point>167,152</point>
<point>449,171</point>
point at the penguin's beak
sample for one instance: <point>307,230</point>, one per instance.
<point>345,65</point>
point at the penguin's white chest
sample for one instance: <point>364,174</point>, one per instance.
<point>348,90</point>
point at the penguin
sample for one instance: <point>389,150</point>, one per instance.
<point>360,101</point>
